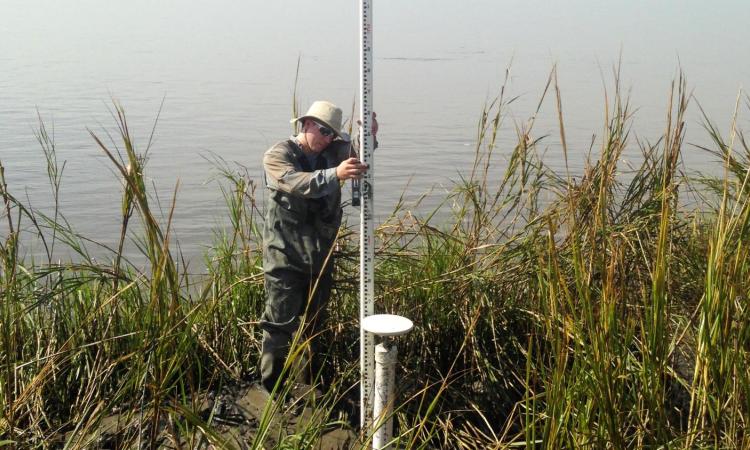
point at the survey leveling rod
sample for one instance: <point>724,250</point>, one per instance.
<point>367,241</point>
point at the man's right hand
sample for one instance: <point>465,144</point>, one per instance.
<point>350,168</point>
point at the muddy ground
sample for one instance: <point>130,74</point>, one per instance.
<point>236,417</point>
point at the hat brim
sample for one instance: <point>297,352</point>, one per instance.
<point>338,133</point>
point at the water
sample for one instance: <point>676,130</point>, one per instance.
<point>226,73</point>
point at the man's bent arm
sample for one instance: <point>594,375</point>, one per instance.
<point>283,175</point>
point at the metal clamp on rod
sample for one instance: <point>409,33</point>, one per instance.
<point>356,193</point>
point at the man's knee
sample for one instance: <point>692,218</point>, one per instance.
<point>285,295</point>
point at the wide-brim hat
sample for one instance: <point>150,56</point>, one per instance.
<point>325,113</point>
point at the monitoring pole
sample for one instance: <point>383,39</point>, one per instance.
<point>367,246</point>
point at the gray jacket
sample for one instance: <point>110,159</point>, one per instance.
<point>303,206</point>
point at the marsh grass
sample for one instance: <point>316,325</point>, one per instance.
<point>587,310</point>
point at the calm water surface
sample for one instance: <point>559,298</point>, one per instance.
<point>226,72</point>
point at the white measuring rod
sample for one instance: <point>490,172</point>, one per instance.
<point>367,241</point>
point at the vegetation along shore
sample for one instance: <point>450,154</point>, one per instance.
<point>552,310</point>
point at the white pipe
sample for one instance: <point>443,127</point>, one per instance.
<point>385,380</point>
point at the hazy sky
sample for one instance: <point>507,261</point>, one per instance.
<point>166,39</point>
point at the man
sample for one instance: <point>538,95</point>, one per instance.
<point>303,214</point>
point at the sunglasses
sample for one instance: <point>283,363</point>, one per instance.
<point>324,130</point>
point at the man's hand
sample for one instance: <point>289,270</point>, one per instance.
<point>374,126</point>
<point>350,169</point>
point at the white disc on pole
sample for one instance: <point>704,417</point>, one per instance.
<point>387,324</point>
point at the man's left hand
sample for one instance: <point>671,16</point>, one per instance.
<point>374,124</point>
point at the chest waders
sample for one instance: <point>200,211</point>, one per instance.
<point>298,235</point>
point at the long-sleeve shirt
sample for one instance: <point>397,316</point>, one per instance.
<point>303,206</point>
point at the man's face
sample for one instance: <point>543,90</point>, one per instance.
<point>318,136</point>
